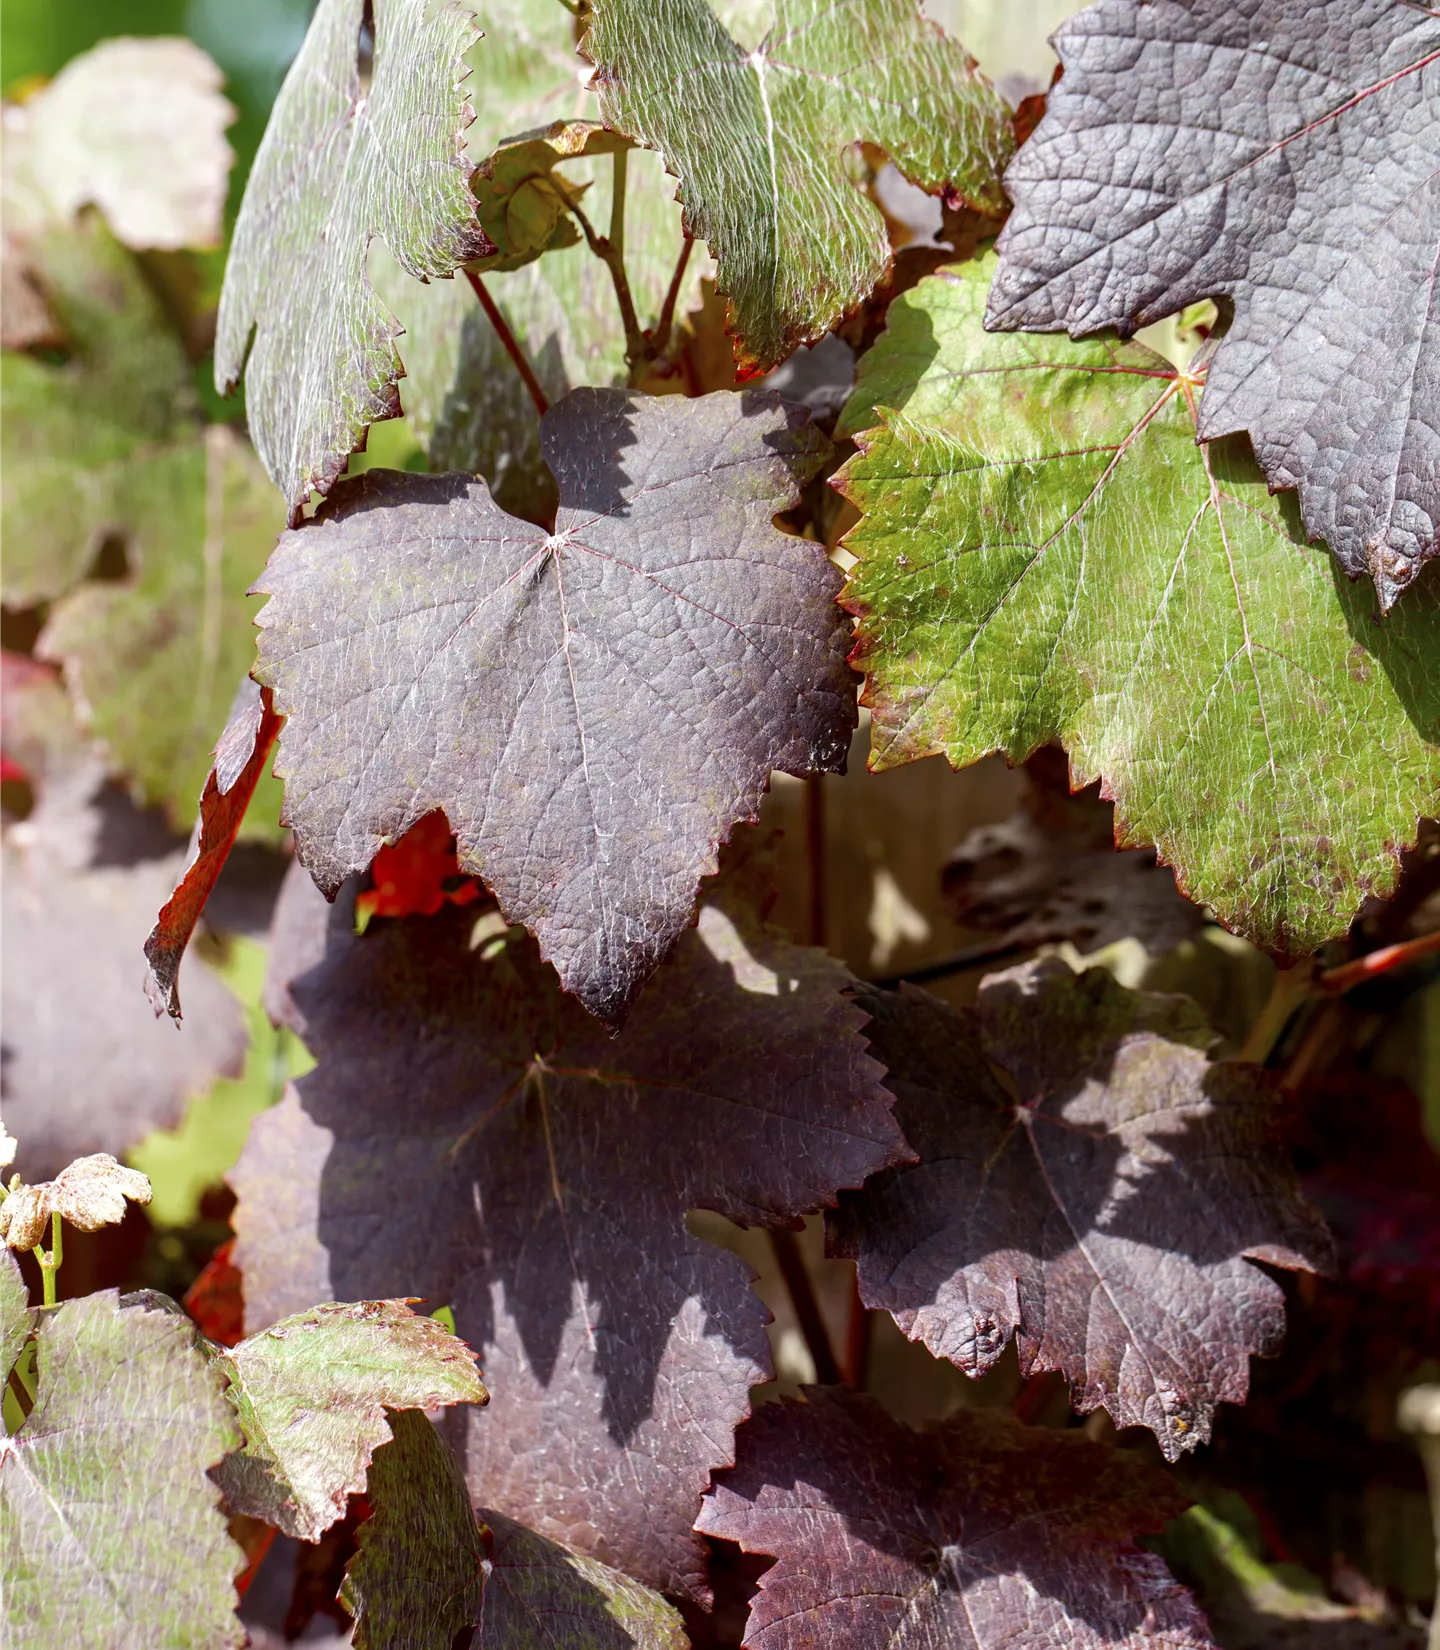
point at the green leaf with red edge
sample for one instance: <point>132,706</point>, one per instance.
<point>342,162</point>
<point>757,134</point>
<point>979,1531</point>
<point>1046,554</point>
<point>535,1173</point>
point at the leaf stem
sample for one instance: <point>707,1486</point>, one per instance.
<point>621,159</point>
<point>638,353</point>
<point>50,1261</point>
<point>1388,957</point>
<point>807,1309</point>
<point>1291,987</point>
<point>660,338</point>
<point>511,343</point>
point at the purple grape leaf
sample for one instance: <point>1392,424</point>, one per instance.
<point>472,1135</point>
<point>979,1532</point>
<point>341,163</point>
<point>1284,157</point>
<point>593,709</point>
<point>1104,1213</point>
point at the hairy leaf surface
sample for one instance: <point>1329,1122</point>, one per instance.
<point>593,708</point>
<point>111,1531</point>
<point>1284,157</point>
<point>1105,1214</point>
<point>426,1570</point>
<point>1047,554</point>
<point>472,1135</point>
<point>311,1393</point>
<point>758,137</point>
<point>343,161</point>
<point>980,1532</point>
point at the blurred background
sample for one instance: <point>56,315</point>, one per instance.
<point>135,517</point>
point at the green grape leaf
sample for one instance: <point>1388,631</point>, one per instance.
<point>426,1570</point>
<point>472,1134</point>
<point>111,1530</point>
<point>76,440</point>
<point>758,140</point>
<point>311,1393</point>
<point>978,1532</point>
<point>558,694</point>
<point>1047,554</point>
<point>16,1315</point>
<point>152,662</point>
<point>524,204</point>
<point>342,162</point>
<point>1105,1214</point>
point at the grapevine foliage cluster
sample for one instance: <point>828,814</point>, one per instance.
<point>518,705</point>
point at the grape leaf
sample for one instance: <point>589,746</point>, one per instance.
<point>311,1394</point>
<point>523,203</point>
<point>341,162</point>
<point>77,439</point>
<point>1047,554</point>
<point>110,1529</point>
<point>593,709</point>
<point>16,1316</point>
<point>1104,1215</point>
<point>86,1069</point>
<point>239,769</point>
<point>426,1570</point>
<point>152,662</point>
<point>1283,157</point>
<point>89,1193</point>
<point>137,128</point>
<point>758,140</point>
<point>534,1173</point>
<point>980,1532</point>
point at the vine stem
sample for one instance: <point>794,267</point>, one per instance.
<point>509,340</point>
<point>637,346</point>
<point>661,335</point>
<point>50,1261</point>
<point>807,1309</point>
<point>1348,975</point>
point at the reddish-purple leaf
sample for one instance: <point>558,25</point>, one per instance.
<point>472,1135</point>
<point>593,708</point>
<point>1104,1212</point>
<point>239,764</point>
<point>1283,156</point>
<point>980,1533</point>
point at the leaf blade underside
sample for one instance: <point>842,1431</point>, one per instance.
<point>1285,158</point>
<point>1047,555</point>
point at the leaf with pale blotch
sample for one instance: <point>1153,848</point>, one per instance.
<point>1285,158</point>
<point>427,1570</point>
<point>594,709</point>
<point>1047,554</point>
<point>311,1393</point>
<point>152,662</point>
<point>89,1193</point>
<point>758,134</point>
<point>524,203</point>
<point>1105,1215</point>
<point>340,163</point>
<point>979,1532</point>
<point>136,128</point>
<point>111,1531</point>
<point>535,1174</point>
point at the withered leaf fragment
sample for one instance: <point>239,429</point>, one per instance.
<point>980,1532</point>
<point>1286,157</point>
<point>89,1193</point>
<point>471,1134</point>
<point>593,708</point>
<point>340,163</point>
<point>1105,1214</point>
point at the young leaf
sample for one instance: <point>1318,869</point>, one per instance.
<point>758,140</point>
<point>153,661</point>
<point>594,708</point>
<point>89,1193</point>
<point>1283,157</point>
<point>110,1529</point>
<point>1047,554</point>
<point>311,1393</point>
<point>137,128</point>
<point>979,1532</point>
<point>524,203</point>
<point>534,1173</point>
<point>1104,1215</point>
<point>426,1570</point>
<point>343,161</point>
<point>239,768</point>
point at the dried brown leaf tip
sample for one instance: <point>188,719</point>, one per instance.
<point>90,1193</point>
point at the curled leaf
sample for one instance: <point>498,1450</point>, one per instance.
<point>90,1193</point>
